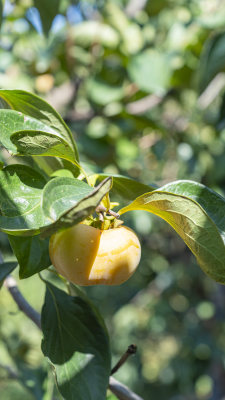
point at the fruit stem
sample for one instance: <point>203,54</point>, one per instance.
<point>101,209</point>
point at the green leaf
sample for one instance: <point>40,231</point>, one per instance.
<point>212,59</point>
<point>77,344</point>
<point>42,144</point>
<point>81,210</point>
<point>61,194</point>
<point>210,201</point>
<point>197,214</point>
<point>151,71</point>
<point>32,254</point>
<point>29,205</point>
<point>24,135</point>
<point>5,269</point>
<point>13,121</point>
<point>33,106</point>
<point>125,187</point>
<point>102,93</point>
<point>20,200</point>
<point>48,10</point>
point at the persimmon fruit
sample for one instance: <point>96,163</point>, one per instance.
<point>86,255</point>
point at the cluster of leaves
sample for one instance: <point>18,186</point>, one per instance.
<point>33,206</point>
<point>122,103</point>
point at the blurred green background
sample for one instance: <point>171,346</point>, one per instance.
<point>141,83</point>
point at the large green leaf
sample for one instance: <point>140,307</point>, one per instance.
<point>77,344</point>
<point>48,10</point>
<point>32,254</point>
<point>5,269</point>
<point>33,106</point>
<point>24,135</point>
<point>29,206</point>
<point>197,215</point>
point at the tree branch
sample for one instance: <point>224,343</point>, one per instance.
<point>120,390</point>
<point>23,305</point>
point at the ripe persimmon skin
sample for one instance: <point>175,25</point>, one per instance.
<point>89,256</point>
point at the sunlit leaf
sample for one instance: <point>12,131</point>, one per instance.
<point>42,144</point>
<point>81,210</point>
<point>197,215</point>
<point>20,199</point>
<point>33,106</point>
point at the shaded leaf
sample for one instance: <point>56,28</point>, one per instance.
<point>212,59</point>
<point>77,344</point>
<point>5,269</point>
<point>48,10</point>
<point>32,254</point>
<point>197,215</point>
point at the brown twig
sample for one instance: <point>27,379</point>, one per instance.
<point>130,351</point>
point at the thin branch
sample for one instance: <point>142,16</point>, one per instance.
<point>120,390</point>
<point>143,105</point>
<point>11,373</point>
<point>23,305</point>
<point>212,91</point>
<point>130,351</point>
